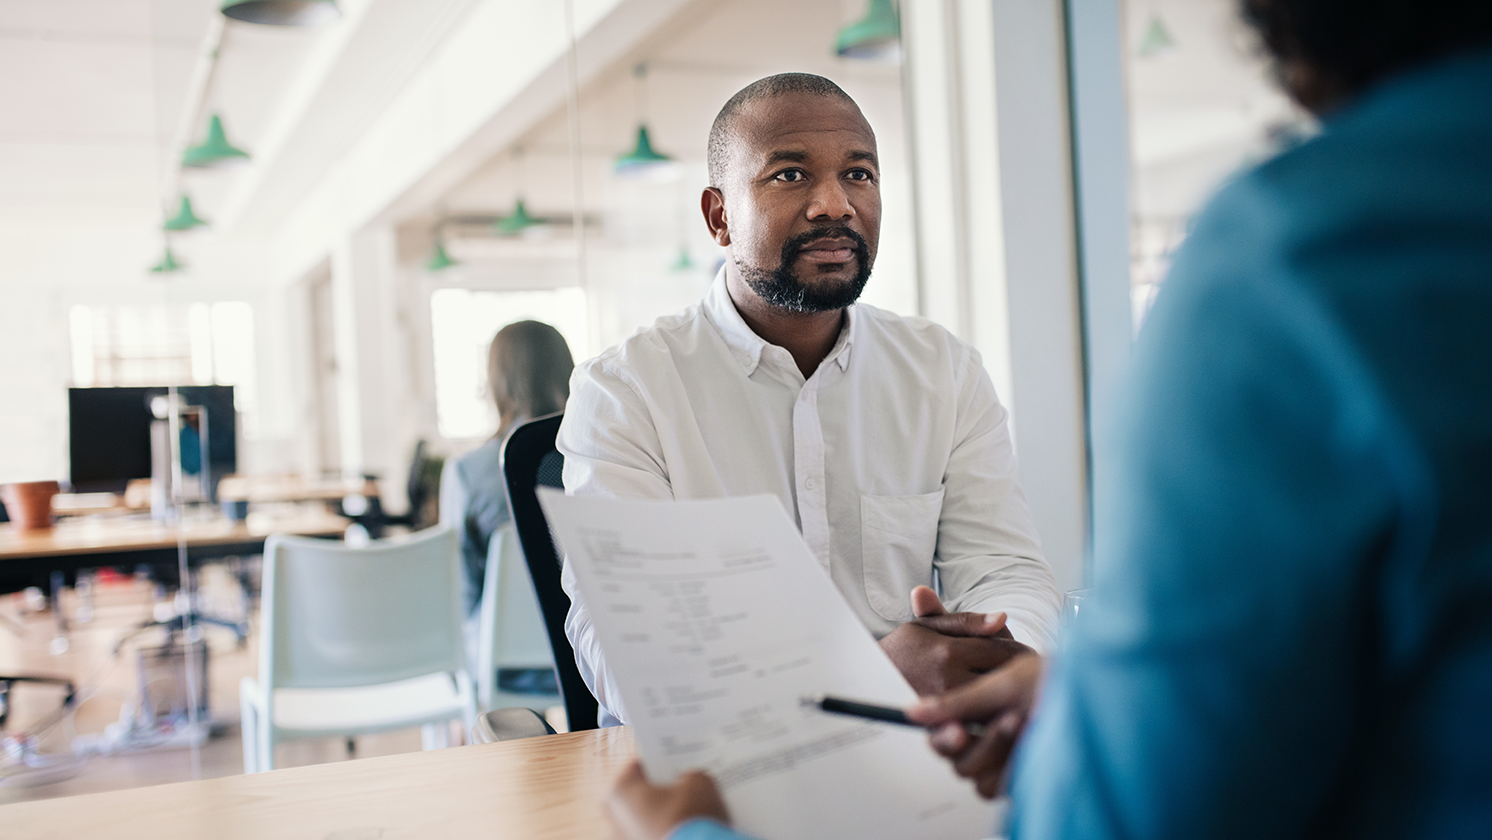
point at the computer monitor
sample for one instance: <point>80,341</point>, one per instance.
<point>109,434</point>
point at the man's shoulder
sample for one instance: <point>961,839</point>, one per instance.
<point>893,323</point>
<point>921,339</point>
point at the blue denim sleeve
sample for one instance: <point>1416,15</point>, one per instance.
<point>705,829</point>
<point>1211,670</point>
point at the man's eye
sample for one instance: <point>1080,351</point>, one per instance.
<point>791,175</point>
<point>858,175</point>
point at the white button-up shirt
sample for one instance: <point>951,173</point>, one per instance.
<point>894,457</point>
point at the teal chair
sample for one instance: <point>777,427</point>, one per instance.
<point>514,665</point>
<point>357,640</point>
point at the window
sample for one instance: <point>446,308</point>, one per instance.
<point>1202,104</point>
<point>463,323</point>
<point>192,344</point>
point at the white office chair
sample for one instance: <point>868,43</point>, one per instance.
<point>509,725</point>
<point>510,630</point>
<point>357,640</point>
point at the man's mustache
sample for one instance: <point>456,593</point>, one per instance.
<point>802,241</point>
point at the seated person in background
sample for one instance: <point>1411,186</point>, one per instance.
<point>1291,628</point>
<point>881,435</point>
<point>528,376</point>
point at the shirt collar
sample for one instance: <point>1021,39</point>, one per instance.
<point>746,346</point>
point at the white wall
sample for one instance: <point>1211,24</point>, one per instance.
<point>33,410</point>
<point>34,335</point>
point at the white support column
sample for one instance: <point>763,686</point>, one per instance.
<point>949,86</point>
<point>987,83</point>
<point>364,315</point>
<point>1046,340</point>
<point>294,311</point>
<point>384,399</point>
<point>932,97</point>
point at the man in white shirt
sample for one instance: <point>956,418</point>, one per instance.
<point>881,434</point>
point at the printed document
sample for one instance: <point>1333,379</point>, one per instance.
<point>717,621</point>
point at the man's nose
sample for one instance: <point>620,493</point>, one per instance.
<point>829,200</point>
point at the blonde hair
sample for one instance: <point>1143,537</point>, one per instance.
<point>528,372</point>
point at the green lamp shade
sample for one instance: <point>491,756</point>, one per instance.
<point>215,150</point>
<point>684,262</point>
<point>184,219</point>
<point>439,260</point>
<point>518,222</point>
<point>1156,40</point>
<point>642,155</point>
<point>282,12</point>
<point>875,37</point>
<point>167,265</point>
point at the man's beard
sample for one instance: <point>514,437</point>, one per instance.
<point>783,288</point>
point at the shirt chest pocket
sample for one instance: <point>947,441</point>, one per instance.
<point>898,535</point>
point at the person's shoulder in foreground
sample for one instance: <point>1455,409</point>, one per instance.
<point>1293,553</point>
<point>705,829</point>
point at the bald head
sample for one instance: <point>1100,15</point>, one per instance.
<point>723,131</point>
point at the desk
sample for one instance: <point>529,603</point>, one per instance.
<point>534,789</point>
<point>28,558</point>
<point>290,488</point>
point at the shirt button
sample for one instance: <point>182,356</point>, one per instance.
<point>809,484</point>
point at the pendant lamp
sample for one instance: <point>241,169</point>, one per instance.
<point>875,37</point>
<point>167,265</point>
<point>642,155</point>
<point>282,12</point>
<point>214,150</point>
<point>643,158</point>
<point>439,259</point>
<point>184,219</point>
<point>1156,40</point>
<point>518,222</point>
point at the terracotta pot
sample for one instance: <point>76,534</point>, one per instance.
<point>29,504</point>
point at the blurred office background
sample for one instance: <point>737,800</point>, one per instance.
<point>419,173</point>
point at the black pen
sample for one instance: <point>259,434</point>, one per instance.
<point>869,711</point>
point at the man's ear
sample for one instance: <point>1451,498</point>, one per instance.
<point>712,204</point>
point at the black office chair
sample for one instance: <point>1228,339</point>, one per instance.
<point>529,460</point>
<point>423,488</point>
<point>70,693</point>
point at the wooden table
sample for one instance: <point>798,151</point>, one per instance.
<point>534,789</point>
<point>28,558</point>
<point>292,488</point>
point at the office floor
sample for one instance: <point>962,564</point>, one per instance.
<point>109,682</point>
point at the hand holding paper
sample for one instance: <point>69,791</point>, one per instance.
<point>716,620</point>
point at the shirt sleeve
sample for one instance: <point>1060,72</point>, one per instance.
<point>705,829</point>
<point>611,448</point>
<point>988,556</point>
<point>1208,687</point>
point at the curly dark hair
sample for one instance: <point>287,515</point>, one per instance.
<point>1329,50</point>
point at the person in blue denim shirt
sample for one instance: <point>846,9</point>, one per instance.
<point>1291,628</point>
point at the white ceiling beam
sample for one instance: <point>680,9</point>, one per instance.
<point>496,75</point>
